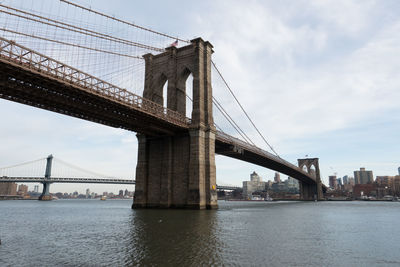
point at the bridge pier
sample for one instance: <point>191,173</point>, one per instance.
<point>178,170</point>
<point>45,196</point>
<point>46,192</point>
<point>311,191</point>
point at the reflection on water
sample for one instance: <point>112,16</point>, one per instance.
<point>109,233</point>
<point>174,238</point>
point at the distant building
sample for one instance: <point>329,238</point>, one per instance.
<point>398,170</point>
<point>277,178</point>
<point>36,189</point>
<point>292,183</point>
<point>366,190</point>
<point>332,181</point>
<point>255,184</point>
<point>385,180</point>
<point>351,181</point>
<point>363,177</point>
<point>339,182</point>
<point>22,190</point>
<point>345,179</point>
<point>396,185</point>
<point>7,189</point>
<point>121,193</point>
<point>88,193</point>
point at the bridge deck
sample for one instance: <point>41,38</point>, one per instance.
<point>31,78</point>
<point>235,148</point>
<point>34,79</point>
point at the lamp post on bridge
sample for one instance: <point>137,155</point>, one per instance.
<point>46,183</point>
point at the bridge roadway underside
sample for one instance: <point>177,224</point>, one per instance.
<point>223,148</point>
<point>41,91</point>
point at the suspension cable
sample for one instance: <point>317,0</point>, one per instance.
<point>20,164</point>
<point>70,44</point>
<point>80,169</point>
<point>122,21</point>
<point>229,118</point>
<point>240,105</point>
<point>73,28</point>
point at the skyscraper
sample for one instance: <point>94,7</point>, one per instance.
<point>363,177</point>
<point>398,170</point>
<point>277,178</point>
<point>345,179</point>
<point>332,181</point>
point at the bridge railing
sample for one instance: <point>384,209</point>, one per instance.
<point>236,141</point>
<point>32,60</point>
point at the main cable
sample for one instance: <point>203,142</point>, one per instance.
<point>240,105</point>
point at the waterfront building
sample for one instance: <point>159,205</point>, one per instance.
<point>351,181</point>
<point>292,183</point>
<point>88,193</point>
<point>332,181</point>
<point>345,179</point>
<point>255,184</point>
<point>348,187</point>
<point>36,189</point>
<point>7,189</point>
<point>398,170</point>
<point>364,190</point>
<point>363,177</point>
<point>339,182</point>
<point>396,185</point>
<point>385,180</point>
<point>22,190</point>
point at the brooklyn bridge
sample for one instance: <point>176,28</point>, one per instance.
<point>56,70</point>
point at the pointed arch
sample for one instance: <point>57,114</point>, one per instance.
<point>304,168</point>
<point>185,89</point>
<point>312,170</point>
<point>160,92</point>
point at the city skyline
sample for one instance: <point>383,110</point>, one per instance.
<point>315,80</point>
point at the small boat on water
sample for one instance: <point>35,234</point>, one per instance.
<point>103,198</point>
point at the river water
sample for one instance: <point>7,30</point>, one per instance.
<point>109,233</point>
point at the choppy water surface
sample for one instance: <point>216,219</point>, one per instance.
<point>109,233</point>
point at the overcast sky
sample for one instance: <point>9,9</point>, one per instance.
<point>319,78</point>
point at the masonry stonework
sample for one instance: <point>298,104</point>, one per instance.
<point>311,191</point>
<point>178,170</point>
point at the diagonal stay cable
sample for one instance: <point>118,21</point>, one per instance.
<point>229,118</point>
<point>240,105</point>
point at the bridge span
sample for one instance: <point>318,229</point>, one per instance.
<point>169,143</point>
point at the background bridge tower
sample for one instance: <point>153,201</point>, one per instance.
<point>47,176</point>
<point>178,170</point>
<point>311,191</point>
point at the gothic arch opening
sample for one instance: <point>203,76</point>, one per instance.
<point>312,170</point>
<point>304,168</point>
<point>189,96</point>
<point>186,90</point>
<point>165,94</point>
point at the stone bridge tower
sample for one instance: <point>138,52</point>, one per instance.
<point>311,191</point>
<point>178,171</point>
